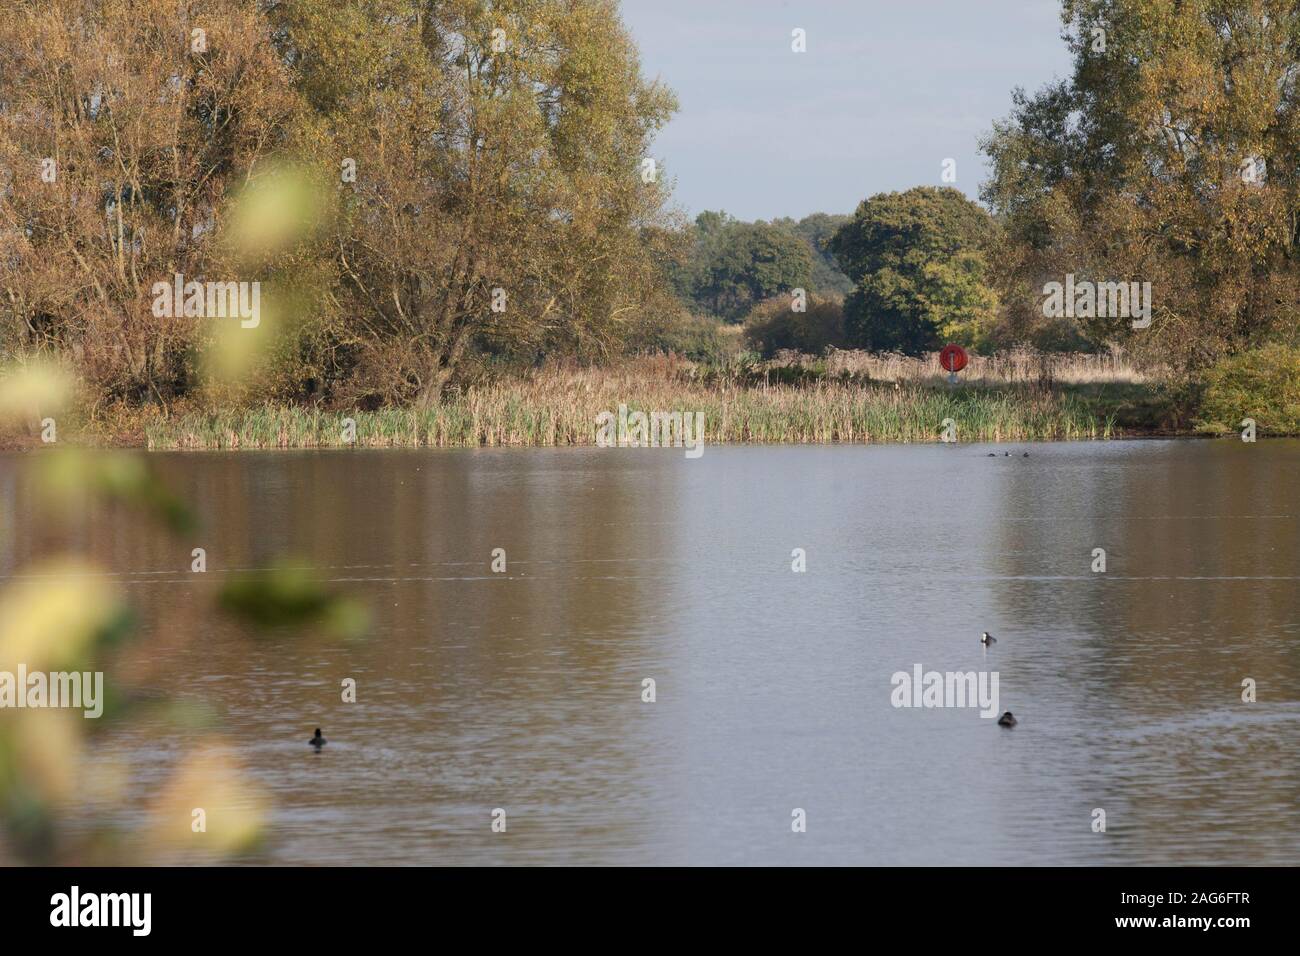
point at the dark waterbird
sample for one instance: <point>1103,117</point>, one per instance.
<point>318,741</point>
<point>1006,720</point>
<point>986,639</point>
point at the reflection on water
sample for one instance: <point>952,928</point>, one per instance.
<point>523,690</point>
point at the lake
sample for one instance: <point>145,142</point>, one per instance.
<point>523,690</point>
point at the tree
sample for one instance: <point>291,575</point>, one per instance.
<point>499,195</point>
<point>918,263</point>
<point>1168,156</point>
<point>122,140</point>
<point>702,238</point>
<point>737,265</point>
<point>472,173</point>
<point>816,229</point>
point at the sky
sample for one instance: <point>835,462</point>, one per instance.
<point>887,90</point>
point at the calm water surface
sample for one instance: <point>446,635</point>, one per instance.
<point>523,690</point>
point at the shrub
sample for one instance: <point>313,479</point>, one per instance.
<point>773,326</point>
<point>696,337</point>
<point>1263,384</point>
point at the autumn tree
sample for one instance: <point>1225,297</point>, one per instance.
<point>501,190</point>
<point>125,128</point>
<point>1167,156</point>
<point>773,326</point>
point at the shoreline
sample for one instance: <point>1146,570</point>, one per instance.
<point>98,444</point>
<point>653,403</point>
<point>758,418</point>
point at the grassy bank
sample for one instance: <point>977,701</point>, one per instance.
<point>515,417</point>
<point>840,397</point>
<point>560,407</point>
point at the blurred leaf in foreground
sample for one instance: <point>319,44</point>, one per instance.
<point>117,476</point>
<point>53,618</point>
<point>291,597</point>
<point>29,393</point>
<point>209,805</point>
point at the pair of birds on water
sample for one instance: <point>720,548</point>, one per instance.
<point>987,639</point>
<point>1005,454</point>
<point>1006,720</point>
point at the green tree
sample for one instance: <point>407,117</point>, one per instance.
<point>919,266</point>
<point>702,238</point>
<point>744,263</point>
<point>816,230</point>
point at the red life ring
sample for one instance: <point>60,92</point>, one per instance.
<point>952,358</point>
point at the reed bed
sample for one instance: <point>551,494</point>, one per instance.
<point>1014,367</point>
<point>559,407</point>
